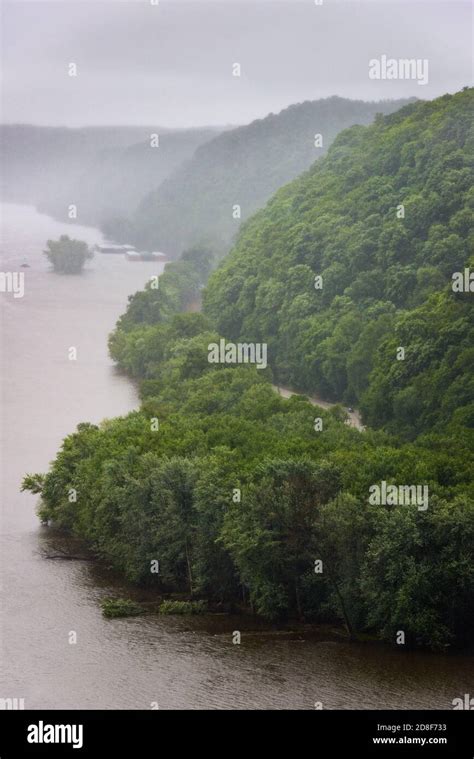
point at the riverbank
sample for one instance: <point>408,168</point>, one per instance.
<point>181,662</point>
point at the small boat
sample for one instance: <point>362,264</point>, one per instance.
<point>25,264</point>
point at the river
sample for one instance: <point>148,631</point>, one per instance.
<point>131,663</point>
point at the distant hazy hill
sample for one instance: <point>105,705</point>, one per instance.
<point>244,166</point>
<point>104,171</point>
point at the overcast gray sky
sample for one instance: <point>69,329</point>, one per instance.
<point>171,64</point>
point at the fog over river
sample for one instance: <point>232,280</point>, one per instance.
<point>130,663</point>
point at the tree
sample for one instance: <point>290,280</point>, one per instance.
<point>417,574</point>
<point>68,256</point>
<point>271,533</point>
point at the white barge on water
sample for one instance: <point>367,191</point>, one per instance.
<point>131,253</point>
<point>110,247</point>
<point>134,255</point>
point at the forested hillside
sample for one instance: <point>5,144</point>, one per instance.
<point>234,492</point>
<point>243,167</point>
<point>255,502</point>
<point>384,221</point>
<point>104,171</point>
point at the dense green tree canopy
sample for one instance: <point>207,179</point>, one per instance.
<point>242,167</point>
<point>383,219</point>
<point>234,490</point>
<point>67,256</point>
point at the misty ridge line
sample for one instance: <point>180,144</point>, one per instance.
<point>146,128</point>
<point>107,173</point>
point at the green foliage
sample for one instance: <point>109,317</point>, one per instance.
<point>386,279</point>
<point>67,256</point>
<point>179,285</point>
<point>170,495</point>
<point>418,573</point>
<point>271,535</point>
<point>235,494</point>
<point>245,166</point>
<point>433,387</point>
<point>183,607</point>
<point>120,607</point>
<point>33,482</point>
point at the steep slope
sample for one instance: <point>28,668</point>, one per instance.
<point>243,166</point>
<point>384,220</point>
<point>232,486</point>
<point>104,171</point>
